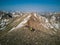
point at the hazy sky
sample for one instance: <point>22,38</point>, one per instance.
<point>30,5</point>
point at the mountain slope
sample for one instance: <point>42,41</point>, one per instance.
<point>37,22</point>
<point>31,29</point>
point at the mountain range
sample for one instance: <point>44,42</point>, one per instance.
<point>31,29</point>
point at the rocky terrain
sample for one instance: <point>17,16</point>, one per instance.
<point>31,29</point>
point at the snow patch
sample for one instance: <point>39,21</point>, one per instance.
<point>12,29</point>
<point>44,26</point>
<point>35,15</point>
<point>46,20</point>
<point>23,22</point>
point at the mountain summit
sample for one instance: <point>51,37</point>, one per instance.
<point>36,22</point>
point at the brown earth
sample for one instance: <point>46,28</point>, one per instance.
<point>24,36</point>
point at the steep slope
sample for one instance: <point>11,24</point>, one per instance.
<point>13,22</point>
<point>54,20</point>
<point>41,23</point>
